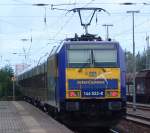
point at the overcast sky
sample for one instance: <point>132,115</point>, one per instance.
<point>20,21</point>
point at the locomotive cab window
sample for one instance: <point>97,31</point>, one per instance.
<point>83,57</point>
<point>79,58</point>
<point>105,58</point>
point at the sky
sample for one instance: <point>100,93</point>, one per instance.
<point>26,38</point>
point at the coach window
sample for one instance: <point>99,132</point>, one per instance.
<point>140,87</point>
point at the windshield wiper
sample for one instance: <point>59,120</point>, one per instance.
<point>85,64</point>
<point>93,59</point>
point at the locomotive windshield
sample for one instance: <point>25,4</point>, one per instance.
<point>92,57</point>
<point>79,58</point>
<point>105,57</point>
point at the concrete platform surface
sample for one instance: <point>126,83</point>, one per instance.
<point>21,117</point>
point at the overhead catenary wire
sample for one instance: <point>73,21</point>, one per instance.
<point>13,24</point>
<point>79,3</point>
<point>61,28</point>
<point>129,30</point>
<point>21,1</point>
<point>90,2</point>
<point>58,32</point>
<point>112,12</point>
<point>62,16</point>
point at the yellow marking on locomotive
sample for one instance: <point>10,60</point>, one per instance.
<point>94,73</point>
<point>78,73</point>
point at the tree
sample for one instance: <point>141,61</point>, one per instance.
<point>129,62</point>
<point>6,74</point>
<point>140,61</point>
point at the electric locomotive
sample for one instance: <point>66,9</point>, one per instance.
<point>82,82</point>
<point>84,78</point>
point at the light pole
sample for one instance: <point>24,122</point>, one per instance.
<point>147,53</point>
<point>13,79</point>
<point>107,29</point>
<point>134,60</point>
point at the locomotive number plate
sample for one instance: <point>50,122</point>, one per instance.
<point>93,93</point>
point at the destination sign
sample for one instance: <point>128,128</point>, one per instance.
<point>78,84</point>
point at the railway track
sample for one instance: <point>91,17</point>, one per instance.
<point>140,116</point>
<point>138,119</point>
<point>94,130</point>
<point>113,131</point>
<point>135,121</point>
<point>145,107</point>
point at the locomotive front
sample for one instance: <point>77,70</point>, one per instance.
<point>95,80</point>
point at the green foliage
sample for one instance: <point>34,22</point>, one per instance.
<point>140,61</point>
<point>129,62</point>
<point>5,81</point>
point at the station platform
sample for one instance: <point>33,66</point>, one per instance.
<point>21,117</point>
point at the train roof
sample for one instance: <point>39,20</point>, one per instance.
<point>88,38</point>
<point>89,42</point>
<point>143,73</point>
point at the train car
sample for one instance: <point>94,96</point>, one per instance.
<point>33,83</point>
<point>83,82</point>
<point>141,84</point>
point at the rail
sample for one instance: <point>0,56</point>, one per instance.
<point>113,131</point>
<point>140,116</point>
<point>140,106</point>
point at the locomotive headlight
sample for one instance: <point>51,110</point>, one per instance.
<point>112,94</point>
<point>74,93</point>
